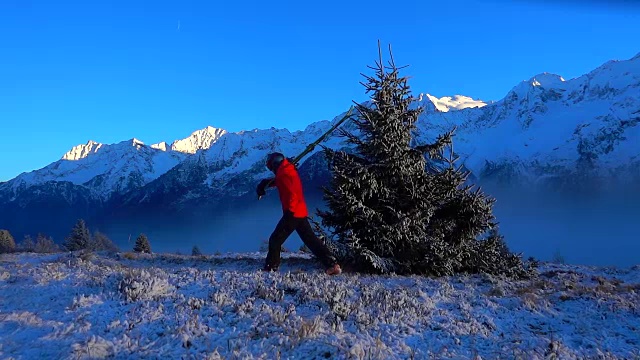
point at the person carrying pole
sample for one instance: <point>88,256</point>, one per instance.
<point>294,208</point>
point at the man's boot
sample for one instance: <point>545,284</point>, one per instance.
<point>334,270</point>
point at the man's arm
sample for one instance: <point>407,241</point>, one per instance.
<point>261,189</point>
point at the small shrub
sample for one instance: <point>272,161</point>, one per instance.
<point>86,255</point>
<point>221,298</point>
<point>7,243</point>
<point>44,245</point>
<point>196,251</point>
<point>100,242</point>
<point>94,347</point>
<point>195,303</point>
<point>268,293</point>
<point>558,258</point>
<point>310,328</point>
<point>140,284</point>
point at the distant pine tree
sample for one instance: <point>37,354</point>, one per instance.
<point>142,244</point>
<point>304,249</point>
<point>265,247</point>
<point>196,251</point>
<point>27,244</point>
<point>7,243</point>
<point>397,208</point>
<point>79,238</point>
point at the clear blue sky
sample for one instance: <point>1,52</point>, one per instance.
<point>71,71</point>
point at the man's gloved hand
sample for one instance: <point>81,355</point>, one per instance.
<point>261,189</point>
<point>295,166</point>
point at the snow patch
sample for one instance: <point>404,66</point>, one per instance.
<point>457,102</point>
<point>136,142</point>
<point>547,80</point>
<point>544,81</point>
<point>82,151</point>
<point>160,146</point>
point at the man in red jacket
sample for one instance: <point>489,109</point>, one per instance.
<point>294,215</point>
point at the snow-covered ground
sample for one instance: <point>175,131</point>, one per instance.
<point>76,306</point>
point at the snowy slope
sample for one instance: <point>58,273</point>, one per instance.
<point>82,151</point>
<point>229,167</point>
<point>201,139</point>
<point>247,150</point>
<point>66,306</point>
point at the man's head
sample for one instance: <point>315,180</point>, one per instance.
<point>274,160</point>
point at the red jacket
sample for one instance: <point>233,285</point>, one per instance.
<point>290,190</point>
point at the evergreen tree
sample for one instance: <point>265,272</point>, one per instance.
<point>395,207</point>
<point>196,251</point>
<point>79,238</point>
<point>7,243</point>
<point>142,244</point>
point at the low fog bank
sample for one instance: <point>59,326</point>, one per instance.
<point>591,228</point>
<point>586,229</point>
<point>241,225</point>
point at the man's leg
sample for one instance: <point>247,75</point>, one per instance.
<point>285,227</point>
<point>317,247</point>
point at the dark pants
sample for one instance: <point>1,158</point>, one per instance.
<point>285,227</point>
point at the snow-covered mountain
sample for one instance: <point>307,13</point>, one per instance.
<point>201,139</point>
<point>105,169</point>
<point>229,167</point>
<point>548,128</point>
<point>102,169</point>
<point>546,131</point>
